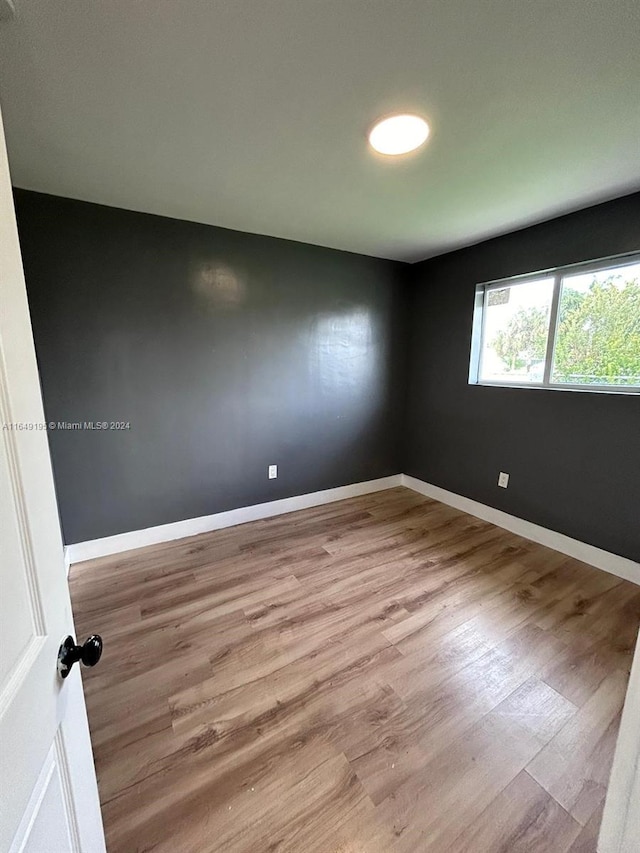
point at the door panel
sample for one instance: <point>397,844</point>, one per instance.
<point>16,612</point>
<point>45,824</point>
<point>46,764</point>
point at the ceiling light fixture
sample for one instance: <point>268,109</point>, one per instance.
<point>398,134</point>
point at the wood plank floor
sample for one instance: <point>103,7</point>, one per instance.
<point>380,674</point>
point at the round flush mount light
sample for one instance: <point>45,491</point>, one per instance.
<point>398,134</point>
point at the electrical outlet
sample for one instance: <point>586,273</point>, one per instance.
<point>273,472</point>
<point>503,480</point>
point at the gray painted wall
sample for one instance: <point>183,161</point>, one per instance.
<point>574,457</point>
<point>225,351</point>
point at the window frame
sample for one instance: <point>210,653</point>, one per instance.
<point>557,274</point>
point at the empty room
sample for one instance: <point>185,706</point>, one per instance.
<point>320,405</point>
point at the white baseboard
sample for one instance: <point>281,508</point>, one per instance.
<point>608,562</point>
<point>93,548</point>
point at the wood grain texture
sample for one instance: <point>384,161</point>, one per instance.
<point>380,674</point>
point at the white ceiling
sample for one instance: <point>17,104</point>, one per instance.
<point>252,114</point>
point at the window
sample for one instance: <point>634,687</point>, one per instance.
<point>576,327</point>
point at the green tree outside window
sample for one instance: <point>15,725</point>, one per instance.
<point>598,336</point>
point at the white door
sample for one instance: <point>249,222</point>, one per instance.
<point>48,792</point>
<point>620,830</point>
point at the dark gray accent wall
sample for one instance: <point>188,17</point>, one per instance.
<point>574,457</point>
<point>225,352</point>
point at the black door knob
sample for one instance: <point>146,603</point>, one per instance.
<point>89,653</point>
